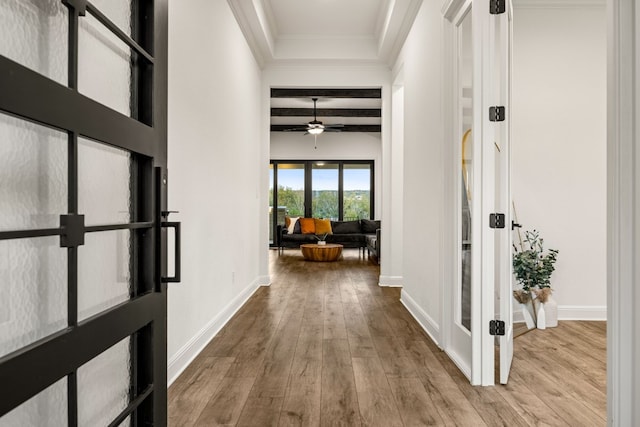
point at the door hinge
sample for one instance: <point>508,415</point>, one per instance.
<point>496,220</point>
<point>496,114</point>
<point>497,7</point>
<point>496,327</point>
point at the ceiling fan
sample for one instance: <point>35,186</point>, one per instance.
<point>315,127</point>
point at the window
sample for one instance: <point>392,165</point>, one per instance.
<point>338,190</point>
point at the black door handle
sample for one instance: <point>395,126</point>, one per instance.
<point>177,254</point>
<point>515,225</point>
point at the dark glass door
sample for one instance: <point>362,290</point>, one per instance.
<point>83,155</point>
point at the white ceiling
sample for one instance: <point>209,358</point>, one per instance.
<point>353,18</point>
<point>370,31</point>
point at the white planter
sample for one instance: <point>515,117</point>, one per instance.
<point>528,318</point>
<point>322,242</point>
<point>542,318</point>
<point>550,309</point>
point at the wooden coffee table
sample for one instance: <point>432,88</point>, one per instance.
<point>323,253</point>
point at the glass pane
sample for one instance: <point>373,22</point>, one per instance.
<point>356,196</point>
<point>465,120</point>
<point>104,179</point>
<point>103,386</point>
<point>104,271</point>
<point>34,291</point>
<point>118,12</point>
<point>324,195</point>
<point>34,33</point>
<point>290,191</point>
<point>271,225</point>
<point>46,409</point>
<point>104,66</point>
<point>33,175</point>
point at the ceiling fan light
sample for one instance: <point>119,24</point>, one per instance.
<point>316,130</point>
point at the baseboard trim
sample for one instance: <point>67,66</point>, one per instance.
<point>424,320</point>
<point>195,345</point>
<point>264,280</point>
<point>391,281</point>
<point>579,312</point>
<point>571,312</point>
<point>459,362</point>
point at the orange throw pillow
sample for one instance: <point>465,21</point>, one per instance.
<point>323,226</point>
<point>307,225</point>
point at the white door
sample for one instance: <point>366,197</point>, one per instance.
<point>498,183</point>
<point>481,273</point>
<point>505,38</point>
<point>458,338</point>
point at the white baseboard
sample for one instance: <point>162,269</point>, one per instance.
<point>424,320</point>
<point>390,281</point>
<point>577,312</point>
<point>459,362</point>
<point>570,312</point>
<point>263,280</point>
<point>179,362</point>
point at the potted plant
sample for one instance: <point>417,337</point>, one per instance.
<point>322,239</point>
<point>532,266</point>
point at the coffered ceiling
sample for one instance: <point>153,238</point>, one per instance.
<point>358,110</point>
<point>313,31</point>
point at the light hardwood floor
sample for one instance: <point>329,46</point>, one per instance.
<point>325,345</point>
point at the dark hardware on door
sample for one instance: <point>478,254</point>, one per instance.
<point>496,327</point>
<point>496,220</point>
<point>165,214</point>
<point>497,7</point>
<point>515,225</point>
<point>496,114</point>
<point>72,231</point>
<point>177,254</point>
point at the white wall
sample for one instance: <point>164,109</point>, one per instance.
<point>420,61</point>
<point>559,146</point>
<point>332,146</point>
<point>215,125</point>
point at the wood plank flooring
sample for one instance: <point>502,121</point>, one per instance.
<point>324,345</point>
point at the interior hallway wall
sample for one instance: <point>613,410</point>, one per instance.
<point>420,62</point>
<point>214,172</point>
<point>559,145</point>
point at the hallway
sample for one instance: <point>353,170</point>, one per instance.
<point>325,345</point>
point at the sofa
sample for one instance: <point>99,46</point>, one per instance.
<point>363,234</point>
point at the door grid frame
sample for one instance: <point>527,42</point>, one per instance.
<point>33,97</point>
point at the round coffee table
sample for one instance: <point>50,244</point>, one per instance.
<point>322,253</point>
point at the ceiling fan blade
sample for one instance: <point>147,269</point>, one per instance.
<point>332,130</point>
<point>300,129</point>
<point>333,126</point>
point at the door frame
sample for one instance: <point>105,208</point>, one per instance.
<point>623,212</point>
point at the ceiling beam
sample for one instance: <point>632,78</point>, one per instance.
<point>346,128</point>
<point>327,112</point>
<point>326,93</point>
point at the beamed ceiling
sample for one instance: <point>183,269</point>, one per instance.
<point>359,110</point>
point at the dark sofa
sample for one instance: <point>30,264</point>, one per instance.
<point>362,234</point>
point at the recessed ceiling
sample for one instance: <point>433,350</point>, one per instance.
<point>353,18</point>
<point>370,31</point>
